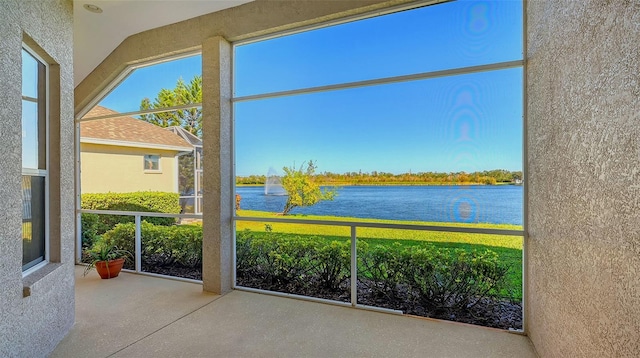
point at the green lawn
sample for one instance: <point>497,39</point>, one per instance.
<point>26,230</point>
<point>509,248</point>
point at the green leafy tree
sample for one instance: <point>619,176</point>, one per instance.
<point>184,93</point>
<point>302,189</point>
<point>186,174</point>
<point>189,119</point>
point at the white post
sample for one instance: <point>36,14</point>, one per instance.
<point>354,268</point>
<point>138,245</point>
<point>78,193</point>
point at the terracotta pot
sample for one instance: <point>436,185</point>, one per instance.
<point>111,270</point>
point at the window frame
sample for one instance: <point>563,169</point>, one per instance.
<point>491,66</point>
<point>80,118</point>
<point>42,88</point>
<point>151,170</point>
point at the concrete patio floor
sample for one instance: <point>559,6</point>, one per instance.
<point>142,316</point>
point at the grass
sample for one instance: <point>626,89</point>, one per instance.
<point>508,248</point>
<point>513,242</point>
<point>390,183</point>
<point>26,231</point>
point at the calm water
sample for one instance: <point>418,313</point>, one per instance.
<point>469,204</point>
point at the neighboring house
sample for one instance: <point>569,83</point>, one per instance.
<point>125,154</point>
<point>190,181</point>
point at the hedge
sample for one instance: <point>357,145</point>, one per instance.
<point>161,245</point>
<point>298,262</point>
<point>94,225</point>
<point>438,278</point>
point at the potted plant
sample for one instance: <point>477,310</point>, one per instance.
<point>106,258</point>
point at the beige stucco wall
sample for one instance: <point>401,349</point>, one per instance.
<point>36,311</point>
<point>108,168</point>
<point>584,178</point>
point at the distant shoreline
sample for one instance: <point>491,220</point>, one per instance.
<point>396,184</point>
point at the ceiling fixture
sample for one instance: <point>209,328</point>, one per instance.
<point>92,8</point>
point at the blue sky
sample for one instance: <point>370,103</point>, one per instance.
<point>460,123</point>
<point>30,143</point>
<point>148,81</point>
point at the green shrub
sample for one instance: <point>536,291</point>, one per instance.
<point>246,254</point>
<point>162,245</point>
<point>458,279</point>
<point>123,236</point>
<point>332,264</point>
<point>292,261</point>
<point>92,228</point>
<point>438,278</point>
<point>281,260</point>
<point>94,225</point>
<point>384,266</point>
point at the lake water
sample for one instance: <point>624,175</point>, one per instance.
<point>500,204</point>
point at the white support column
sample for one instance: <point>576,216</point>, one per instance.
<point>217,239</point>
<point>78,193</point>
<point>176,177</point>
<point>138,244</point>
<point>354,267</point>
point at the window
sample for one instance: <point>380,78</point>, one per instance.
<point>422,98</point>
<point>151,162</point>
<point>35,175</point>
<point>143,137</point>
<point>412,121</point>
<point>162,126</point>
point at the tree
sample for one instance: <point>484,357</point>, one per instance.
<point>302,189</point>
<point>189,119</point>
<point>183,93</point>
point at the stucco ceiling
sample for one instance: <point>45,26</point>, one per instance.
<point>97,34</point>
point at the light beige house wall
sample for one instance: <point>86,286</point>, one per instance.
<point>109,168</point>
<point>36,311</point>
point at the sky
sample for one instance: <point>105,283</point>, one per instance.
<point>469,122</point>
<point>30,128</point>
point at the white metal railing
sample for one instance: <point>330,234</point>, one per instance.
<point>354,258</point>
<point>353,225</point>
<point>138,236</point>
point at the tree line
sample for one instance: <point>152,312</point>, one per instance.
<point>487,177</point>
<point>191,119</point>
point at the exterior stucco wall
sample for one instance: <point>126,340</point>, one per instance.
<point>107,168</point>
<point>35,319</point>
<point>584,178</point>
<point>217,260</point>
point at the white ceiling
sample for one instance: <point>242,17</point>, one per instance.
<point>96,35</point>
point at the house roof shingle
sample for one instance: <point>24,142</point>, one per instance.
<point>122,130</point>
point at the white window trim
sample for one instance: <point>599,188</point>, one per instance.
<point>152,171</point>
<point>39,172</point>
<point>176,174</point>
